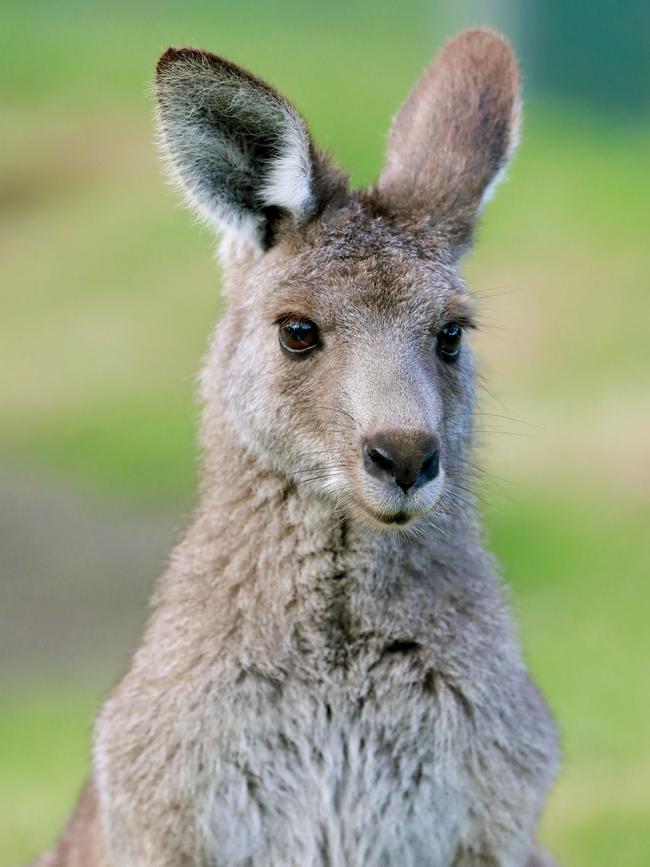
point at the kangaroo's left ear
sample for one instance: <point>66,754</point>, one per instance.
<point>454,135</point>
<point>241,152</point>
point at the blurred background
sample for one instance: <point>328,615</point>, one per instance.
<point>108,292</point>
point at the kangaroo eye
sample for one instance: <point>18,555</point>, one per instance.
<point>448,342</point>
<point>298,336</point>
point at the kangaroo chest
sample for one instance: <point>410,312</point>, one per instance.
<point>353,731</point>
<point>339,774</point>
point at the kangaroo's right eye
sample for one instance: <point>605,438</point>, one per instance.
<point>299,336</point>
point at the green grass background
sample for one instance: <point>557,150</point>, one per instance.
<point>109,292</point>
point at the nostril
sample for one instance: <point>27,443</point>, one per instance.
<point>381,457</point>
<point>430,468</point>
<point>378,458</point>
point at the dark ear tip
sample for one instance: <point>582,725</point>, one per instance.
<point>168,57</point>
<point>189,56</point>
<point>184,54</point>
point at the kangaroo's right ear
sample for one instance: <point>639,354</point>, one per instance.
<point>239,150</point>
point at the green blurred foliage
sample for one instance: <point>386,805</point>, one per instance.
<point>109,292</point>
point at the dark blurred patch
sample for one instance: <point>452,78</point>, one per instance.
<point>28,186</point>
<point>74,577</point>
<point>595,54</point>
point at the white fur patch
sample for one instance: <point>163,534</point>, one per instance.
<point>489,191</point>
<point>513,144</point>
<point>289,182</point>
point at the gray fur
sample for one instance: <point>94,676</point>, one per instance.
<point>239,151</point>
<point>315,687</point>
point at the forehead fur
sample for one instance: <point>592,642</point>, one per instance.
<point>355,258</point>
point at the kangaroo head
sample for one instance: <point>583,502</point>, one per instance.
<point>341,360</point>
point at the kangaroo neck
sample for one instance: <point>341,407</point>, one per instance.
<point>286,524</point>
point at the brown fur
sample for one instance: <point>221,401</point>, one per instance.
<point>457,129</point>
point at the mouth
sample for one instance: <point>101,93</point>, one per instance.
<point>392,519</point>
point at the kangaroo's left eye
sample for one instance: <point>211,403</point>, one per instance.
<point>299,336</point>
<point>448,342</point>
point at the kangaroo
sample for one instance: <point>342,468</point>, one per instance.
<point>330,674</point>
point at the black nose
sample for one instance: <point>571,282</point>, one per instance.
<point>412,458</point>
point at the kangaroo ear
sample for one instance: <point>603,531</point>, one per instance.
<point>239,150</point>
<point>454,135</point>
